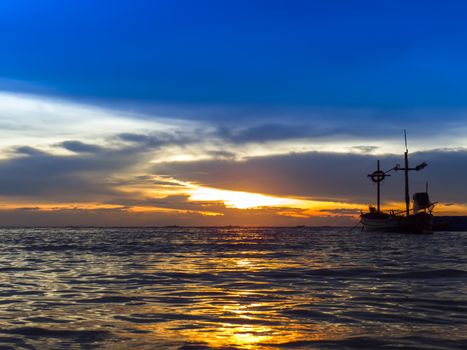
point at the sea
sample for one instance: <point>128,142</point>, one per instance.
<point>231,288</point>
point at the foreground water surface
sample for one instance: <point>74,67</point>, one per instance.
<point>231,288</point>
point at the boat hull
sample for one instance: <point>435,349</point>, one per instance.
<point>418,223</point>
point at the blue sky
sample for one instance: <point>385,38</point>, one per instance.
<point>387,54</point>
<point>150,112</point>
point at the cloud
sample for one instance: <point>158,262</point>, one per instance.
<point>365,149</point>
<point>129,161</point>
<point>270,132</point>
<point>29,151</point>
<point>176,202</point>
<point>327,176</point>
<point>125,217</point>
<point>158,139</point>
<point>56,176</point>
<point>125,176</point>
<point>43,122</point>
<point>80,147</point>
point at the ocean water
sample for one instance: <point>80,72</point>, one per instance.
<point>231,288</point>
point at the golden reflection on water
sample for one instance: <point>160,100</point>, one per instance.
<point>244,331</point>
<point>60,290</point>
<point>226,316</point>
<point>251,261</point>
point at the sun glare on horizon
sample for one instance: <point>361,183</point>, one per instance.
<point>239,199</point>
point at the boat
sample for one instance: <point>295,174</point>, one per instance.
<point>418,219</point>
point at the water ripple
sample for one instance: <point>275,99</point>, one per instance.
<point>231,288</point>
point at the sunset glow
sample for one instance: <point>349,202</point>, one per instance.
<point>241,200</point>
<point>259,130</point>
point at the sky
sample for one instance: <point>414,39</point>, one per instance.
<point>227,112</point>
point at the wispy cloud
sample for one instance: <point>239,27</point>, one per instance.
<point>83,160</point>
<point>41,122</point>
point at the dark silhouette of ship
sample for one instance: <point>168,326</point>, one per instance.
<point>418,219</point>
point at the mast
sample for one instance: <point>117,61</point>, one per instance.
<point>378,203</point>
<point>378,176</point>
<point>406,176</point>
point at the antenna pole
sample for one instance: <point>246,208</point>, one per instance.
<point>406,176</point>
<point>405,138</point>
<point>378,203</point>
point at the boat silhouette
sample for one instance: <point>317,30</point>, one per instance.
<point>418,219</point>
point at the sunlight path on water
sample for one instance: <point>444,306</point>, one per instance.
<point>243,288</point>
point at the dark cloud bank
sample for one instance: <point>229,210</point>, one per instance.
<point>90,175</point>
<point>326,176</point>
